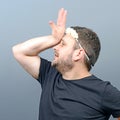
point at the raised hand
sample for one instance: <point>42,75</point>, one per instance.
<point>58,29</point>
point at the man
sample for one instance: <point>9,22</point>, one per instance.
<point>69,90</point>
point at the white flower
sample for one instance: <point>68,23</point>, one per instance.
<point>72,32</point>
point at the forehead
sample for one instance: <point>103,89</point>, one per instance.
<point>68,39</point>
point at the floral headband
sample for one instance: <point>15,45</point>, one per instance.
<point>74,34</point>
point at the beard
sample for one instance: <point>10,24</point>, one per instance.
<point>63,65</point>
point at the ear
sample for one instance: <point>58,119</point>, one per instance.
<point>78,54</point>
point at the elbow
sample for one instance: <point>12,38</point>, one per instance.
<point>16,52</point>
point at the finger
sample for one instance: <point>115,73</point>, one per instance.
<point>60,14</point>
<point>52,25</point>
<point>63,21</point>
<point>62,18</point>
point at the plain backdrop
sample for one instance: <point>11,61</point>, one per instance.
<point>21,20</point>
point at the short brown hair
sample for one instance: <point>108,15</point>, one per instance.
<point>90,43</point>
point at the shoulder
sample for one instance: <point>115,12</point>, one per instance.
<point>46,72</point>
<point>96,82</point>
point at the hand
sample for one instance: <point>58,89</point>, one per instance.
<point>58,29</point>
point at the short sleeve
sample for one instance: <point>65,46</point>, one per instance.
<point>111,100</point>
<point>44,70</point>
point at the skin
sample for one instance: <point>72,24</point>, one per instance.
<point>69,64</point>
<point>69,61</point>
<point>26,53</point>
<point>62,61</point>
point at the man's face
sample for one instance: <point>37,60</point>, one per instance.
<point>64,53</point>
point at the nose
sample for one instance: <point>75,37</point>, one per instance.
<point>56,47</point>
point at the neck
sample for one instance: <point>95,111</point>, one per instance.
<point>75,74</point>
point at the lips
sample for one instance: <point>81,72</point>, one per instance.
<point>56,54</point>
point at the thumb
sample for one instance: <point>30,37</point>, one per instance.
<point>52,25</point>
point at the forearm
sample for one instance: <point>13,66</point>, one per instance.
<point>26,53</point>
<point>34,46</point>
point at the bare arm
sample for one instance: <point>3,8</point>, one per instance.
<point>26,53</point>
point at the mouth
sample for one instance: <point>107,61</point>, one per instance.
<point>56,54</point>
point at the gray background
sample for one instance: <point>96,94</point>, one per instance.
<point>21,20</point>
